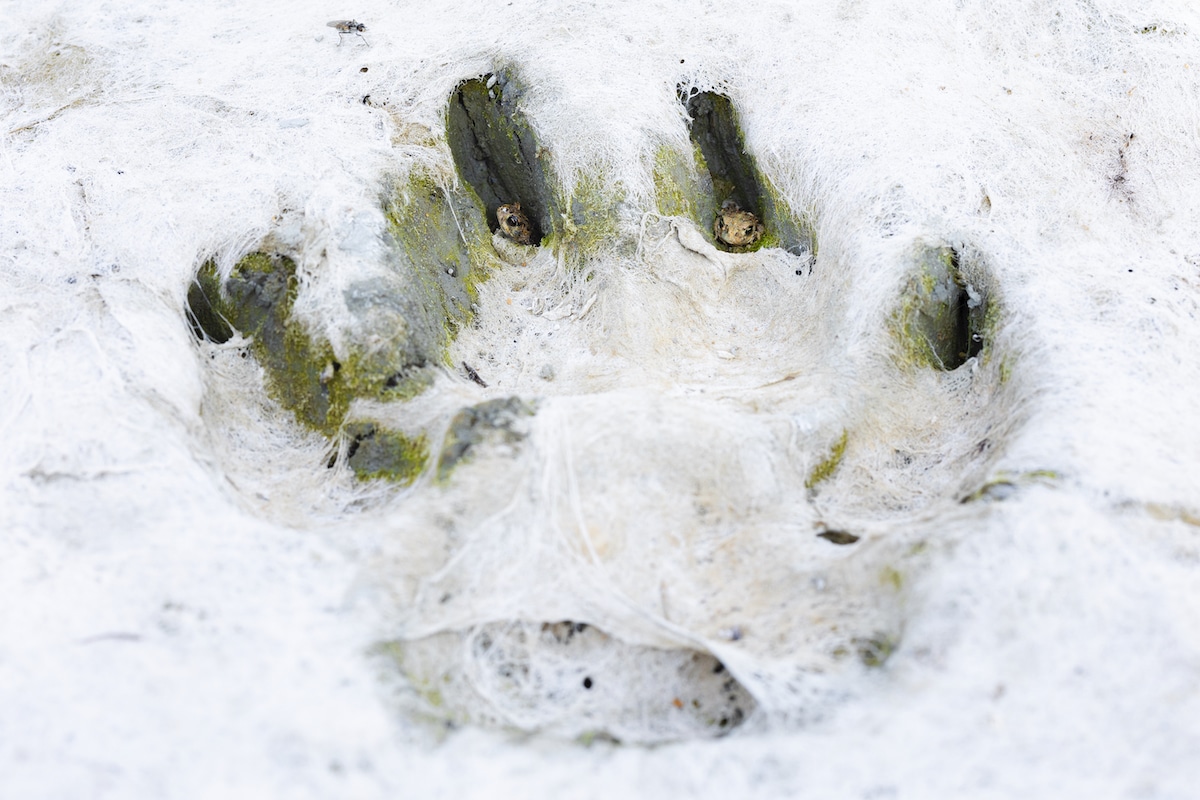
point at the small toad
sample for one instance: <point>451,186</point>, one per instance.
<point>514,224</point>
<point>735,227</point>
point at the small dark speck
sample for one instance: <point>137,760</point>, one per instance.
<point>719,668</point>
<point>122,172</point>
<point>364,69</point>
<point>473,375</point>
<point>587,683</point>
<point>366,100</point>
<point>681,61</point>
<point>838,537</point>
<point>1131,270</point>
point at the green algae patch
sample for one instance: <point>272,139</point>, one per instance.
<point>495,420</point>
<point>891,578</point>
<point>590,738</point>
<point>825,469</point>
<point>378,453</point>
<point>444,242</point>
<point>942,320</point>
<point>590,225</point>
<point>1004,484</point>
<point>427,685</point>
<point>733,174</point>
<point>874,651</point>
<point>683,187</point>
<point>397,325</point>
<point>303,373</point>
<point>257,301</point>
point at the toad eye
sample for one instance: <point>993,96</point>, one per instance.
<point>749,230</point>
<point>512,220</point>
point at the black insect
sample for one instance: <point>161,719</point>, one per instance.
<point>347,26</point>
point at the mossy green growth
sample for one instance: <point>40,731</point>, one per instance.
<point>376,452</point>
<point>428,687</point>
<point>825,469</point>
<point>589,738</point>
<point>983,323</point>
<point>257,300</point>
<point>941,321</point>
<point>682,186</point>
<point>1004,483</point>
<point>892,578</point>
<point>1005,370</point>
<point>874,651</point>
<point>444,241</point>
<point>302,371</point>
<point>590,225</point>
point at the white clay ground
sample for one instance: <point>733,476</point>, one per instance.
<point>193,605</point>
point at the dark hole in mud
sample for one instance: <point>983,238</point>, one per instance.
<point>968,341</point>
<point>352,448</point>
<point>950,312</point>
<point>736,180</point>
<point>206,322</point>
<point>496,151</point>
<point>714,128</point>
